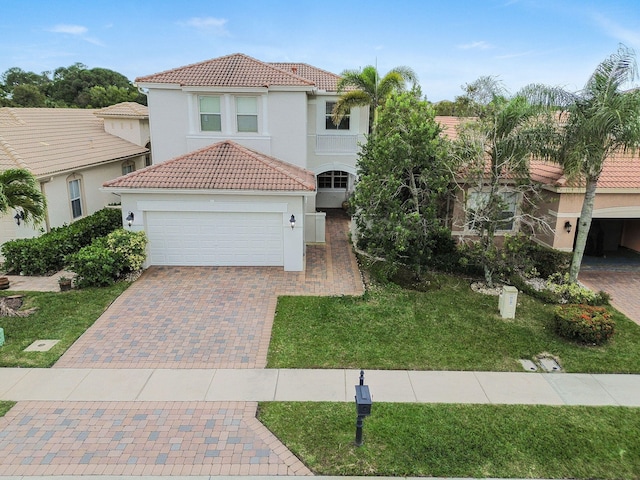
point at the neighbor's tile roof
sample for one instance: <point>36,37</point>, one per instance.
<point>322,79</point>
<point>450,125</point>
<point>124,109</point>
<point>237,70</point>
<point>51,140</point>
<point>224,166</point>
<point>620,170</point>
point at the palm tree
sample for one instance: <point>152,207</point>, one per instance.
<point>19,189</point>
<point>365,87</point>
<point>602,119</point>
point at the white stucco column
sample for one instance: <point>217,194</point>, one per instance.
<point>293,242</point>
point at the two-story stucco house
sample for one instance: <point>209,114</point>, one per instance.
<point>251,153</point>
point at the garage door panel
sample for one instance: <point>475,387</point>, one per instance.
<point>215,238</point>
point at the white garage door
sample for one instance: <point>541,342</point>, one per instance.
<point>215,238</point>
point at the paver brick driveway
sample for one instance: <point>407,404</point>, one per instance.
<point>210,317</point>
<point>175,318</point>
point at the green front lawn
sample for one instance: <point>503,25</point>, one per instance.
<point>448,328</point>
<point>461,440</point>
<point>60,316</point>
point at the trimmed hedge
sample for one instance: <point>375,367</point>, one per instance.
<point>46,254</point>
<point>584,323</point>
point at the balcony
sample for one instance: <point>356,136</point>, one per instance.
<point>337,144</point>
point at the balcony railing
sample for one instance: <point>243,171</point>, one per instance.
<point>337,143</point>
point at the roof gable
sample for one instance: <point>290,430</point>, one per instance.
<point>124,110</point>
<point>236,70</point>
<point>221,166</point>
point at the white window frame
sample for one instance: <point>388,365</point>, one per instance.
<point>213,112</point>
<point>334,176</point>
<point>128,167</point>
<point>345,123</point>
<point>510,212</point>
<point>75,196</point>
<point>243,113</point>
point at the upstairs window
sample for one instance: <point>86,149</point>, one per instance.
<point>329,125</point>
<point>75,197</point>
<point>210,117</point>
<point>247,114</point>
<point>334,179</point>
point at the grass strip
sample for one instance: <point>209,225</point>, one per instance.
<point>60,316</point>
<point>442,440</point>
<point>5,407</point>
<point>448,328</point>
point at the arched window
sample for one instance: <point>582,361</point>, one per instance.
<point>128,167</point>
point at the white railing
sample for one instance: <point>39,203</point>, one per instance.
<point>336,143</point>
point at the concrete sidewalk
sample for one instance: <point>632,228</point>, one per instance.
<point>251,385</point>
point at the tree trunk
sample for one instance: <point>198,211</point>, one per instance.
<point>583,231</point>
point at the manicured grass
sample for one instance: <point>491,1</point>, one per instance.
<point>5,407</point>
<point>60,316</point>
<point>461,440</point>
<point>448,328</point>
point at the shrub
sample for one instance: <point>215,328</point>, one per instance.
<point>573,292</point>
<point>521,254</point>
<point>584,323</point>
<point>46,254</point>
<point>95,265</point>
<point>104,261</point>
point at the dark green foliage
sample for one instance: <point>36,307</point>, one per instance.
<point>402,174</point>
<point>104,261</point>
<point>521,254</point>
<point>45,254</point>
<point>584,323</point>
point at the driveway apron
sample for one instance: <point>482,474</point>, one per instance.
<point>178,318</point>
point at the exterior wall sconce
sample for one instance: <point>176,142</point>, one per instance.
<point>292,221</point>
<point>130,218</point>
<point>19,216</point>
<point>567,226</point>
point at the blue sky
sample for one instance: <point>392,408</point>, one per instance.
<point>448,43</point>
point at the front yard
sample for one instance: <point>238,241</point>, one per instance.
<point>449,327</point>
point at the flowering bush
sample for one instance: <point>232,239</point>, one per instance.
<point>584,323</point>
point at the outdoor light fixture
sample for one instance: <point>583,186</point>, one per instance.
<point>567,226</point>
<point>292,221</point>
<point>19,216</point>
<point>130,218</point>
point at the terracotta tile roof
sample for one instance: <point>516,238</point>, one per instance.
<point>237,70</point>
<point>50,140</point>
<point>124,109</point>
<point>450,125</point>
<point>222,166</point>
<point>322,79</point>
<point>621,170</point>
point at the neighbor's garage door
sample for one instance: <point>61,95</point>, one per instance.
<point>215,238</point>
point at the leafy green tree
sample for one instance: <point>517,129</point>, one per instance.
<point>100,96</point>
<point>364,87</point>
<point>491,159</point>
<point>28,96</point>
<point>402,175</point>
<point>19,189</point>
<point>72,84</point>
<point>601,119</point>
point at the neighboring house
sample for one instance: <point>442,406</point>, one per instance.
<point>71,152</point>
<point>278,115</point>
<point>616,214</point>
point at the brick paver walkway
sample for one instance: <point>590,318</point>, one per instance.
<point>623,286</point>
<point>176,318</point>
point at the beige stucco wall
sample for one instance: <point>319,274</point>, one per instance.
<point>131,129</point>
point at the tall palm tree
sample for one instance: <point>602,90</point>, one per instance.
<point>365,87</point>
<point>602,119</point>
<point>19,189</point>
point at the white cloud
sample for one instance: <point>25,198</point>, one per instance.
<point>624,35</point>
<point>70,29</point>
<point>215,25</point>
<point>475,45</point>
